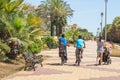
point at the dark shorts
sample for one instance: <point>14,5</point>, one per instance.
<point>78,51</point>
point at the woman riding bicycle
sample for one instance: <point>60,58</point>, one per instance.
<point>63,43</point>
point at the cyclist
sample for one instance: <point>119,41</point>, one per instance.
<point>80,44</point>
<point>64,41</point>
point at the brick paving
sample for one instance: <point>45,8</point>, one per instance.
<point>52,69</point>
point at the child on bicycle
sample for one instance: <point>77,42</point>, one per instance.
<point>79,44</point>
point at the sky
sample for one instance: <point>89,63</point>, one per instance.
<point>87,13</point>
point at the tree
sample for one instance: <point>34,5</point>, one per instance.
<point>43,13</point>
<point>7,9</point>
<point>59,11</point>
<point>116,29</point>
<point>18,30</point>
<point>72,35</point>
<point>113,30</point>
<point>108,29</point>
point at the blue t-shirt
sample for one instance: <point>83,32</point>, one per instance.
<point>79,43</point>
<point>63,40</point>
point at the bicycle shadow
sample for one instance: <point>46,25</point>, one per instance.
<point>91,65</point>
<point>59,64</point>
<point>54,64</point>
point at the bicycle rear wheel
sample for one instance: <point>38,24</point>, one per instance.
<point>62,59</point>
<point>78,60</point>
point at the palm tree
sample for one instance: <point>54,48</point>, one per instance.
<point>16,27</point>
<point>43,13</point>
<point>72,35</point>
<point>7,9</point>
<point>59,11</point>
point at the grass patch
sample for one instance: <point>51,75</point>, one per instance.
<point>9,68</point>
<point>46,57</point>
<point>116,51</point>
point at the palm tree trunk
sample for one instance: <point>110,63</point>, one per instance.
<point>57,30</point>
<point>52,29</point>
<point>60,30</point>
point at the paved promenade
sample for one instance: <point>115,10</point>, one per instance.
<point>52,69</point>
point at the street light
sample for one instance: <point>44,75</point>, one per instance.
<point>97,32</point>
<point>101,21</point>
<point>106,20</point>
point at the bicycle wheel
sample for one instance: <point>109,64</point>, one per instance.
<point>62,59</point>
<point>78,60</point>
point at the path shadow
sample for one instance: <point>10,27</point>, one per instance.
<point>54,64</point>
<point>30,68</point>
<point>92,65</point>
<point>58,64</point>
<point>70,64</point>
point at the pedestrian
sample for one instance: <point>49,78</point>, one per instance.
<point>100,50</point>
<point>64,41</point>
<point>79,44</point>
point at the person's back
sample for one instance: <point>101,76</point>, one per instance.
<point>100,50</point>
<point>63,40</point>
<point>100,46</point>
<point>79,43</point>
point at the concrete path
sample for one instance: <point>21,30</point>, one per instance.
<point>52,69</point>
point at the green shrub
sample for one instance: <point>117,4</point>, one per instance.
<point>3,50</point>
<point>35,47</point>
<point>4,47</point>
<point>4,58</point>
<point>51,43</point>
<point>71,41</point>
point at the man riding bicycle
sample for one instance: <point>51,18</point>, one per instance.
<point>79,44</point>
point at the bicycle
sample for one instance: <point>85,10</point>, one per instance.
<point>62,54</point>
<point>78,56</point>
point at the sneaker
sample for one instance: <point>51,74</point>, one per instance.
<point>65,61</point>
<point>75,61</point>
<point>81,56</point>
<point>96,64</point>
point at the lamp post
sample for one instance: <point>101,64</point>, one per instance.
<point>106,1</point>
<point>97,32</point>
<point>101,21</point>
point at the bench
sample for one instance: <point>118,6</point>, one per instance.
<point>31,59</point>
